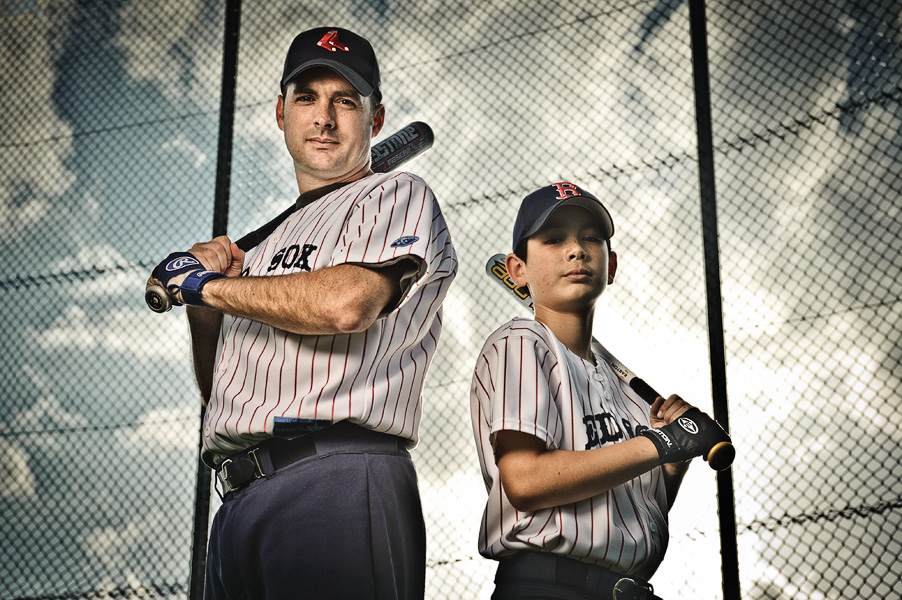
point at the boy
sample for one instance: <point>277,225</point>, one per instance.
<point>580,472</point>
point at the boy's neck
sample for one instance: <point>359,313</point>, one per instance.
<point>573,330</point>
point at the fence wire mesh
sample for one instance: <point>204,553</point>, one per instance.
<point>108,146</point>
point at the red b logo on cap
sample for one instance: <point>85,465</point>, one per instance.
<point>330,42</point>
<point>565,189</point>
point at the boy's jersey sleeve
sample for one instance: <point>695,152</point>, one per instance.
<point>516,384</point>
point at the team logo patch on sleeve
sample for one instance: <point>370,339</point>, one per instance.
<point>404,241</point>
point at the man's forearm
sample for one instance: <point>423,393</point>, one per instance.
<point>336,300</point>
<point>204,325</point>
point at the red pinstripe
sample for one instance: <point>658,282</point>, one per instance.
<point>377,374</point>
<point>525,379</point>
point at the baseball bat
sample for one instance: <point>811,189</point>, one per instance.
<point>392,152</point>
<point>719,457</point>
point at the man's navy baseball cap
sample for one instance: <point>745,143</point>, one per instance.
<point>343,51</point>
<point>538,206</point>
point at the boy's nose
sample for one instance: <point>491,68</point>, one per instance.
<point>577,250</point>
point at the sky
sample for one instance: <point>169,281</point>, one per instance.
<point>108,163</point>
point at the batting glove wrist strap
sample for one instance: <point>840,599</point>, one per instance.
<point>194,283</point>
<point>182,275</point>
<point>692,434</point>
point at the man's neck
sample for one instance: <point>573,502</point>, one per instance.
<point>308,183</point>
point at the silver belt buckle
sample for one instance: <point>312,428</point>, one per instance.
<point>630,589</point>
<point>223,473</point>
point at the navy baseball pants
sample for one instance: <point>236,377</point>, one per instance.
<point>344,523</point>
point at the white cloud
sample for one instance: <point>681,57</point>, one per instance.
<point>34,139</point>
<point>110,546</point>
<point>135,331</point>
<point>181,144</point>
<point>16,475</point>
<point>162,46</point>
<point>72,330</point>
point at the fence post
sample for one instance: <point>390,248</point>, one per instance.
<point>725,504</point>
<point>220,223</point>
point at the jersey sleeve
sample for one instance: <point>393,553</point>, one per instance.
<point>516,384</point>
<point>394,220</point>
<point>399,220</point>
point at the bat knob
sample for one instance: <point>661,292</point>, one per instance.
<point>721,456</point>
<point>157,299</point>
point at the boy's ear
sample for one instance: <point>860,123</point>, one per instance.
<point>516,268</point>
<point>612,267</point>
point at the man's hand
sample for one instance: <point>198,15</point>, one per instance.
<point>183,274</point>
<point>221,255</point>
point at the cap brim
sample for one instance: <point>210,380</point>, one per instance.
<point>597,209</point>
<point>360,84</point>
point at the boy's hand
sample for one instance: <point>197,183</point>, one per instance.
<point>663,412</point>
<point>682,431</point>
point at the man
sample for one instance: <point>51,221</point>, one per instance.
<point>311,350</point>
<point>580,472</point>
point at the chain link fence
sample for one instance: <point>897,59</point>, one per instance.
<point>108,162</point>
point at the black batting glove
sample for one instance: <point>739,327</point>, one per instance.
<point>691,434</point>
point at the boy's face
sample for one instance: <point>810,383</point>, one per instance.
<point>568,265</point>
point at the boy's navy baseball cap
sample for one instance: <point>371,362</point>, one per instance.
<point>538,206</point>
<point>343,51</point>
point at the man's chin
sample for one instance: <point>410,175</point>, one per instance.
<point>333,170</point>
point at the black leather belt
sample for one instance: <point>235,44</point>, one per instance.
<point>269,456</point>
<point>261,460</point>
<point>554,569</point>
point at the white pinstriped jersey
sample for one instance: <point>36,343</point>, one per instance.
<point>526,380</point>
<point>373,378</point>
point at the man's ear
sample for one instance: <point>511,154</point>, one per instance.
<point>378,119</point>
<point>280,112</point>
<point>612,267</point>
<point>516,268</point>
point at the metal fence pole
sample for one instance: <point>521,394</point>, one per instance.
<point>220,222</point>
<point>725,503</point>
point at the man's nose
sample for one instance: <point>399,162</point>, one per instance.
<point>324,116</point>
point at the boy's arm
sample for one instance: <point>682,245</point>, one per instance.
<point>673,478</point>
<point>535,477</point>
<point>663,412</point>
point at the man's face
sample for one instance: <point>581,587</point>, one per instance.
<point>328,126</point>
<point>567,266</point>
